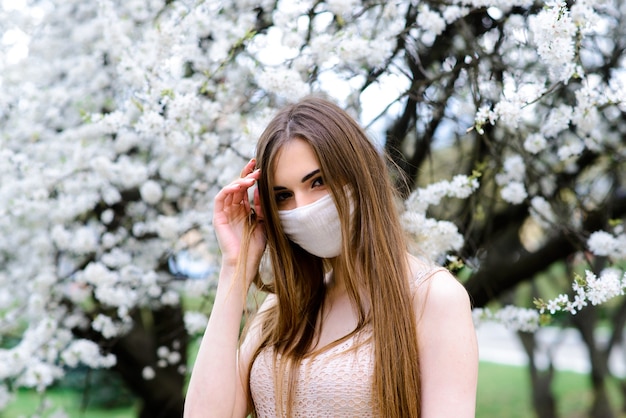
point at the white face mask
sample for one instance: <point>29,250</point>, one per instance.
<point>314,227</point>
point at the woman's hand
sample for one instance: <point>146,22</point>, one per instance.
<point>233,216</point>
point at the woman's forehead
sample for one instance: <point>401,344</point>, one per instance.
<point>294,160</point>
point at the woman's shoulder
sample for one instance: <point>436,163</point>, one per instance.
<point>435,288</point>
<point>422,271</point>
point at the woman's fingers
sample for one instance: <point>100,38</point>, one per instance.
<point>233,198</point>
<point>227,202</point>
<point>249,173</point>
<point>249,168</point>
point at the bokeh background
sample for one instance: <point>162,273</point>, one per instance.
<point>120,119</point>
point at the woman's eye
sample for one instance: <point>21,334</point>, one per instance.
<point>281,197</point>
<point>317,182</point>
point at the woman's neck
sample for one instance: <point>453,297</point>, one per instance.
<point>335,282</point>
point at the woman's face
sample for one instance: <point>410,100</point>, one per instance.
<point>297,177</point>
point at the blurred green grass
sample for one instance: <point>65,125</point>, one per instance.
<point>504,391</point>
<point>28,403</point>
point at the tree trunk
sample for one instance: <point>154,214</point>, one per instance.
<point>161,396</point>
<point>585,321</point>
<point>617,339</point>
<point>543,397</point>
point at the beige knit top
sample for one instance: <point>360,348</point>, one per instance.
<point>337,382</point>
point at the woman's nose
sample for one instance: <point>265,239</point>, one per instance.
<point>303,199</point>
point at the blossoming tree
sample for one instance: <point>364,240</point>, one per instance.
<point>123,119</point>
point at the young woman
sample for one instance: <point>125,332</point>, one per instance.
<point>353,325</point>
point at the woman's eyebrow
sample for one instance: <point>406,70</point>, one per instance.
<point>311,174</point>
<point>304,179</point>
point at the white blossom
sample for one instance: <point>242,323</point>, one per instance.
<point>541,211</point>
<point>125,140</point>
<point>151,192</point>
<point>149,123</point>
<point>514,167</point>
<point>167,227</point>
<point>535,143</point>
<point>509,111</point>
<point>174,357</point>
<point>553,32</point>
<point>116,258</point>
<point>605,244</point>
<point>39,375</point>
<point>195,322</point>
<point>107,216</point>
<point>514,192</point>
<point>111,195</point>
<point>584,15</point>
<point>434,238</point>
<point>579,302</point>
<point>590,289</point>
<point>88,353</point>
<point>148,373</point>
<point>342,7</point>
<point>460,187</point>
<point>483,115</point>
<point>107,327</point>
<point>118,296</point>
<point>453,13</point>
<point>585,114</point>
<point>512,317</point>
<point>558,120</point>
<point>605,287</point>
<point>170,298</point>
<point>283,82</point>
<point>430,20</point>
<point>97,274</point>
<point>84,240</point>
<point>572,148</point>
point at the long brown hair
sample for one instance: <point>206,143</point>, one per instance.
<point>373,261</point>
